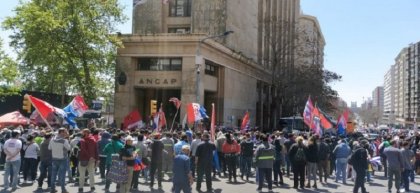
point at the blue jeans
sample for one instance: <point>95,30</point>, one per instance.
<point>185,187</point>
<point>45,168</point>
<point>59,167</point>
<point>246,164</point>
<point>11,168</point>
<point>266,173</point>
<point>341,169</point>
<point>405,179</point>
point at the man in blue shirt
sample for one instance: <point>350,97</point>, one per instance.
<point>182,179</point>
<point>178,146</point>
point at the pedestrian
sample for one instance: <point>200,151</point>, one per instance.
<point>156,149</point>
<point>312,161</point>
<point>30,160</point>
<point>88,157</point>
<point>219,145</point>
<point>278,159</point>
<point>204,159</point>
<point>324,159</point>
<point>59,147</point>
<point>408,160</point>
<point>247,152</point>
<point>341,153</point>
<point>194,145</point>
<point>111,149</point>
<point>45,156</point>
<point>395,165</point>
<point>297,155</point>
<point>182,179</point>
<point>231,149</point>
<point>128,154</point>
<point>105,139</point>
<point>264,156</point>
<point>12,149</point>
<point>359,161</point>
<point>168,153</point>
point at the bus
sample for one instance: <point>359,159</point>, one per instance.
<point>288,124</point>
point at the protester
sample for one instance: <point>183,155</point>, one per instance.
<point>204,159</point>
<point>128,154</point>
<point>359,161</point>
<point>264,156</point>
<point>408,161</point>
<point>278,159</point>
<point>88,157</point>
<point>59,147</point>
<point>30,163</point>
<point>194,145</point>
<point>297,155</point>
<point>182,179</point>
<point>247,153</point>
<point>395,164</point>
<point>323,161</point>
<point>156,148</point>
<point>45,156</point>
<point>12,149</point>
<point>105,139</point>
<point>168,153</point>
<point>341,152</point>
<point>312,161</point>
<point>231,149</point>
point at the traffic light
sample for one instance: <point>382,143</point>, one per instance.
<point>153,106</point>
<point>27,106</point>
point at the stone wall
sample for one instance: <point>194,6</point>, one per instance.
<point>147,18</point>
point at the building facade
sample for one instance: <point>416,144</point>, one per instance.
<point>310,42</point>
<point>176,50</point>
<point>388,116</point>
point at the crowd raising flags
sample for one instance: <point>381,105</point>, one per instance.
<point>318,121</point>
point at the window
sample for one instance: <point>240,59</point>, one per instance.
<point>159,64</point>
<point>181,30</point>
<point>211,68</point>
<point>180,8</point>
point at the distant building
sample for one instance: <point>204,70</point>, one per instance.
<point>388,116</point>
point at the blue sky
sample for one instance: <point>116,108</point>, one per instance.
<point>363,37</point>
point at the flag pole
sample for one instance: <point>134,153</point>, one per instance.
<point>46,122</point>
<point>173,121</point>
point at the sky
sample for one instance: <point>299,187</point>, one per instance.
<point>363,37</point>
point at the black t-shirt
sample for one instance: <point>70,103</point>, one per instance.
<point>128,151</point>
<point>204,153</point>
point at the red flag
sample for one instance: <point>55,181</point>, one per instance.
<point>162,118</point>
<point>325,123</point>
<point>132,119</point>
<point>176,102</point>
<point>245,122</point>
<point>43,108</point>
<point>213,121</point>
<point>307,113</point>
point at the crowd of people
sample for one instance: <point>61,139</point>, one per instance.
<point>39,155</point>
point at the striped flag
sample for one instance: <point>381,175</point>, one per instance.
<point>176,102</point>
<point>245,122</point>
<point>307,113</point>
<point>213,121</point>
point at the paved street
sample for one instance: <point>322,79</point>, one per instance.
<point>222,186</point>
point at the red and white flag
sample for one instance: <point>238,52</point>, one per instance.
<point>245,122</point>
<point>43,108</point>
<point>213,123</point>
<point>176,102</point>
<point>162,118</point>
<point>133,119</point>
<point>195,112</point>
<point>307,112</point>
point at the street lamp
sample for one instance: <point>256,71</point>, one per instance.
<point>199,60</point>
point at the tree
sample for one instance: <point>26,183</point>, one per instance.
<point>66,47</point>
<point>8,74</point>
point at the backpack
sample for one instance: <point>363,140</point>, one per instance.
<point>300,155</point>
<point>75,151</point>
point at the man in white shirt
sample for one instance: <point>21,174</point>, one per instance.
<point>12,149</point>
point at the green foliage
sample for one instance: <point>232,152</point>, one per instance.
<point>309,80</point>
<point>8,74</point>
<point>66,47</point>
